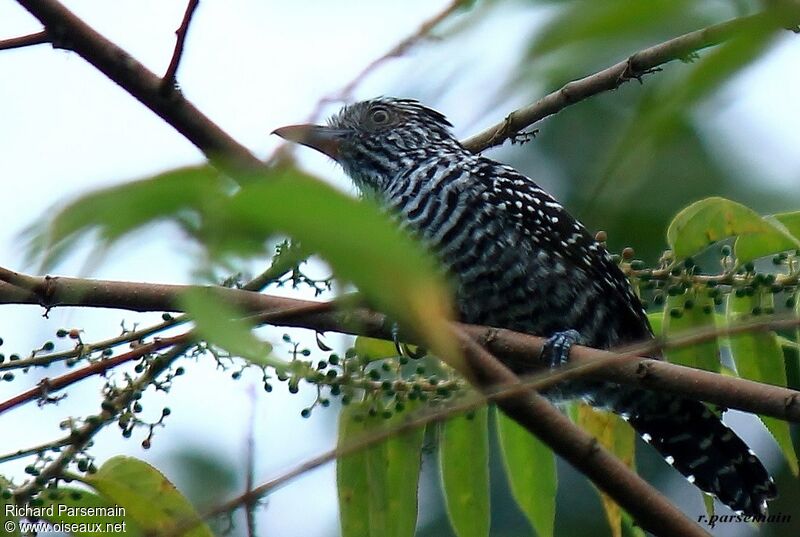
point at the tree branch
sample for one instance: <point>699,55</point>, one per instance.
<point>81,436</point>
<point>517,399</point>
<point>142,83</point>
<point>47,386</point>
<point>613,77</point>
<point>38,38</point>
<point>511,347</point>
<point>168,82</point>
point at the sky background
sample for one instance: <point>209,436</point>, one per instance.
<point>252,66</point>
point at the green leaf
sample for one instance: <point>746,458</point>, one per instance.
<point>352,481</point>
<point>708,502</point>
<point>8,521</point>
<point>119,210</point>
<point>81,509</point>
<point>695,310</point>
<point>362,245</point>
<point>531,471</point>
<point>784,234</point>
<point>599,22</point>
<point>378,485</point>
<point>224,326</point>
<point>710,220</point>
<point>793,356</point>
<point>656,319</point>
<point>464,461</point>
<point>616,436</point>
<point>374,349</point>
<point>758,356</point>
<point>723,62</point>
<point>149,499</point>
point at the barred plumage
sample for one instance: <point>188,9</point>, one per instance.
<point>521,261</point>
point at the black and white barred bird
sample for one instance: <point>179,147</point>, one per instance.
<point>520,261</point>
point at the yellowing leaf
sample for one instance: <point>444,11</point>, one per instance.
<point>149,499</point>
<point>83,509</point>
<point>362,245</point>
<point>616,436</point>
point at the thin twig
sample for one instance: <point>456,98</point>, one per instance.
<point>35,450</point>
<point>345,93</point>
<point>401,48</point>
<point>47,386</point>
<point>498,384</point>
<point>38,38</point>
<point>81,436</point>
<point>119,66</point>
<point>250,458</point>
<point>633,67</point>
<point>168,81</point>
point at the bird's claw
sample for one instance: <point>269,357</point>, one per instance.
<point>555,351</point>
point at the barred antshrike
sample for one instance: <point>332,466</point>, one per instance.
<point>520,261</point>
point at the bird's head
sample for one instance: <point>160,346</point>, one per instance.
<point>376,140</point>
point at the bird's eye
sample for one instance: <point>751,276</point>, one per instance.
<point>379,116</point>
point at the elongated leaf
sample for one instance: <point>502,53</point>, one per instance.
<point>619,438</point>
<point>758,356</point>
<point>149,499</point>
<point>710,220</point>
<point>224,326</point>
<point>602,21</point>
<point>121,209</point>
<point>378,485</point>
<point>724,61</point>
<point>352,481</point>
<point>82,509</point>
<point>784,235</point>
<point>361,244</point>
<point>691,311</point>
<point>464,462</point>
<point>793,358</point>
<point>531,471</point>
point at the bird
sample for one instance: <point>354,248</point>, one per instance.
<point>520,261</point>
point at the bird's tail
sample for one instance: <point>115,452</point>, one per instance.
<point>696,442</point>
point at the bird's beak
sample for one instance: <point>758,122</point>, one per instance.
<point>324,139</point>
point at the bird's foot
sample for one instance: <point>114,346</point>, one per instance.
<point>402,348</point>
<point>555,351</point>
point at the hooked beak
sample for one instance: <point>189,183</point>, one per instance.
<point>324,139</point>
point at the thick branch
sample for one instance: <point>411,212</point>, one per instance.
<point>650,509</point>
<point>511,347</point>
<point>612,77</point>
<point>142,83</point>
<point>519,400</point>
